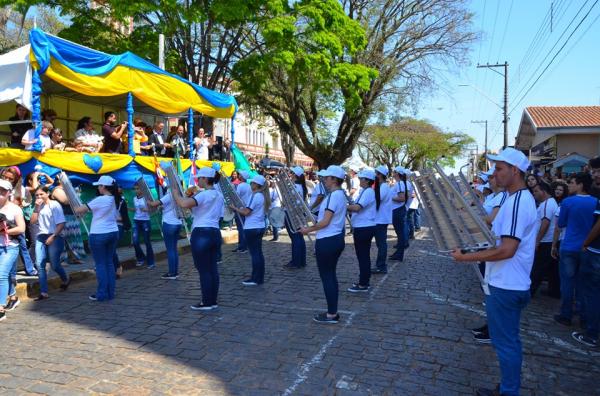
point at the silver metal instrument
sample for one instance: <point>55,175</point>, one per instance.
<point>230,197</point>
<point>174,182</point>
<point>455,223</point>
<point>73,197</point>
<point>298,213</point>
<point>146,193</point>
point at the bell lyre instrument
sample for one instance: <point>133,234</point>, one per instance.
<point>73,197</point>
<point>174,182</point>
<point>298,213</point>
<point>146,193</point>
<point>230,197</point>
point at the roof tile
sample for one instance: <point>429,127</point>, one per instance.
<point>565,116</point>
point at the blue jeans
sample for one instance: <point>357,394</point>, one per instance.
<point>116,260</point>
<point>254,240</point>
<point>362,245</point>
<point>503,308</point>
<point>401,229</point>
<point>570,284</point>
<point>328,251</point>
<point>103,248</point>
<point>25,256</point>
<point>382,246</point>
<point>143,227</point>
<point>205,244</point>
<point>50,253</point>
<point>298,246</point>
<point>239,224</point>
<point>171,235</point>
<point>414,221</point>
<point>8,257</point>
<point>590,276</point>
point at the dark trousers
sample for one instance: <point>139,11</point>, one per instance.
<point>103,248</point>
<point>254,239</point>
<point>362,245</point>
<point>205,243</point>
<point>542,264</point>
<point>239,224</point>
<point>414,221</point>
<point>298,245</point>
<point>400,227</point>
<point>328,251</point>
<point>590,275</point>
<point>142,227</point>
<point>116,261</point>
<point>381,242</point>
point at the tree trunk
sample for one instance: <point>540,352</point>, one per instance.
<point>288,148</point>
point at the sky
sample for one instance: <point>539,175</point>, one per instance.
<point>520,33</point>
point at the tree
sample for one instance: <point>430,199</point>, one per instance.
<point>15,26</point>
<point>327,65</point>
<point>412,143</point>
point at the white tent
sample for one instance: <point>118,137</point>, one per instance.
<point>15,83</point>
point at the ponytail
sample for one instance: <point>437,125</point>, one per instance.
<point>302,181</point>
<point>377,188</point>
<point>114,190</point>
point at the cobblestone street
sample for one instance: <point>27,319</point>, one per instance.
<point>408,336</point>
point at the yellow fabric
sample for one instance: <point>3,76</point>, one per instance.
<point>148,164</point>
<point>73,161</point>
<point>161,92</point>
<point>11,156</point>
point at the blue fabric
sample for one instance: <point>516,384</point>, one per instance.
<point>191,133</point>
<point>36,114</point>
<point>130,131</point>
<point>577,215</point>
<point>95,63</point>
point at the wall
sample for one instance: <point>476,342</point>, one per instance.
<point>584,144</point>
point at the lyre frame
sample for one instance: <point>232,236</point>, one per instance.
<point>74,200</point>
<point>146,193</point>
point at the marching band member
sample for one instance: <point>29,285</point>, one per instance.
<point>330,228</point>
<point>206,208</point>
<point>275,203</point>
<point>298,243</point>
<point>254,227</point>
<point>171,226</point>
<point>383,218</point>
<point>399,195</point>
<point>243,191</point>
<point>141,220</point>
<point>12,224</point>
<point>317,197</point>
<point>49,244</point>
<point>363,226</point>
<point>104,235</point>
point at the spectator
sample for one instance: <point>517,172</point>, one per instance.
<point>543,261</point>
<point>88,139</point>
<point>178,143</point>
<point>532,181</point>
<point>202,144</point>
<point>576,215</point>
<point>56,139</point>
<point>112,134</point>
<point>559,191</point>
<point>235,179</point>
<point>226,156</point>
<point>18,130</point>
<point>29,138</point>
<point>595,171</point>
<point>140,139</point>
<point>158,140</point>
<point>49,115</point>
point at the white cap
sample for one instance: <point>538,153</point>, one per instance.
<point>244,174</point>
<point>206,172</point>
<point>298,171</point>
<point>399,169</point>
<point>355,168</point>
<point>512,157</point>
<point>382,169</point>
<point>104,181</point>
<point>367,174</point>
<point>6,185</point>
<point>335,171</point>
<point>258,179</point>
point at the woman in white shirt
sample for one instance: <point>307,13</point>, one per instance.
<point>399,198</point>
<point>142,225</point>
<point>49,244</point>
<point>363,228</point>
<point>104,235</point>
<point>206,208</point>
<point>254,227</point>
<point>298,244</point>
<point>275,203</point>
<point>171,226</point>
<point>12,224</point>
<point>330,242</point>
<point>383,218</point>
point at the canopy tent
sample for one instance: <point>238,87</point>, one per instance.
<point>16,77</point>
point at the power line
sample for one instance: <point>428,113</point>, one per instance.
<point>555,55</point>
<point>505,29</point>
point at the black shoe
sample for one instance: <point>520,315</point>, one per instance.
<point>394,258</point>
<point>65,286</point>
<point>480,330</point>
<point>93,297</point>
<point>12,304</point>
<point>202,307</point>
<point>358,289</point>
<point>2,315</point>
<point>235,250</point>
<point>323,318</point>
<point>41,297</point>
<point>378,271</point>
<point>483,338</point>
<point>584,339</point>
<point>168,276</point>
<point>242,250</point>
<point>562,320</point>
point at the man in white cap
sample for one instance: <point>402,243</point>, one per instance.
<point>508,266</point>
<point>244,192</point>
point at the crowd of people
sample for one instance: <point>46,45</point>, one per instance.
<point>147,139</point>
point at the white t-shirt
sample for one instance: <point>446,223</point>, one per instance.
<point>334,202</point>
<point>201,148</point>
<point>365,217</point>
<point>384,213</point>
<point>141,209</point>
<point>397,189</point>
<point>517,218</point>
<point>318,190</point>
<point>299,190</point>
<point>11,211</point>
<point>244,191</point>
<point>169,211</point>
<point>354,185</point>
<point>275,200</point>
<point>207,212</point>
<point>561,234</point>
<point>45,140</point>
<point>49,217</point>
<point>494,200</point>
<point>409,196</point>
<point>104,215</point>
<point>414,201</point>
<point>218,189</point>
<point>256,219</point>
<point>547,210</point>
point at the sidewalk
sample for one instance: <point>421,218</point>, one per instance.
<point>28,286</point>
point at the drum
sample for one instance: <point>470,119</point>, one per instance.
<point>277,217</point>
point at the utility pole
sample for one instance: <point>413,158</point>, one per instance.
<point>505,109</point>
<point>485,149</point>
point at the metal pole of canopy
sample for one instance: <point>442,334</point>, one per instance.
<point>130,131</point>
